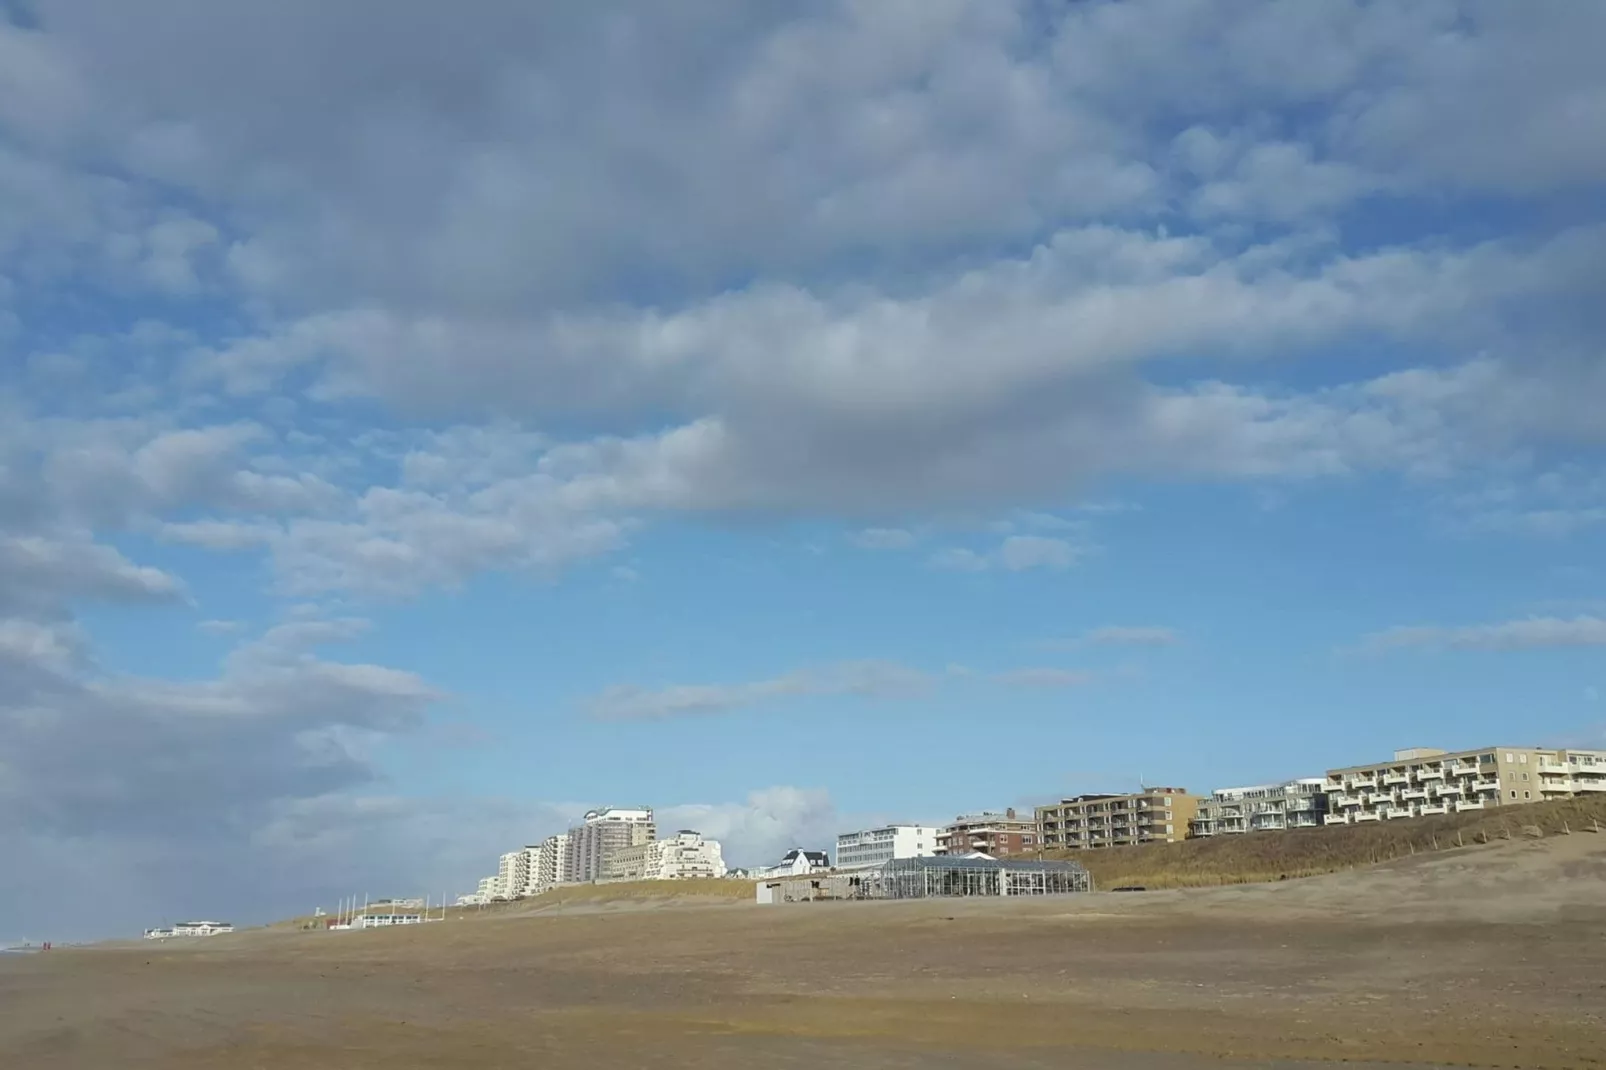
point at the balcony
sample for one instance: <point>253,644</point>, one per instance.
<point>1336,819</point>
<point>1468,805</point>
<point>1396,778</point>
<point>1430,773</point>
<point>1431,808</point>
<point>1590,784</point>
<point>1414,793</point>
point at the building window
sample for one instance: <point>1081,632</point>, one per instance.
<point>1523,758</point>
<point>1513,795</point>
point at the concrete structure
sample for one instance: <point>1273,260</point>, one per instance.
<point>872,847</point>
<point>1153,815</point>
<point>1292,804</point>
<point>989,833</point>
<point>795,863</point>
<point>684,856</point>
<point>603,832</point>
<point>1423,781</point>
<point>488,890</point>
<point>190,928</point>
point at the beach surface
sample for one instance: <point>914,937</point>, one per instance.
<point>1490,957</point>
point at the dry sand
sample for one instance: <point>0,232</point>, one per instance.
<point>1485,957</point>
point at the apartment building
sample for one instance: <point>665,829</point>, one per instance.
<point>509,876</point>
<point>684,856</point>
<point>872,847</point>
<point>1423,781</point>
<point>1293,804</point>
<point>1153,815</point>
<point>989,833</point>
<point>602,832</point>
<point>550,867</point>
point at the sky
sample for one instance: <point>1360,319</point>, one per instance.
<point>420,422</point>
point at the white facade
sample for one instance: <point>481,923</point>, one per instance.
<point>602,832</point>
<point>508,880</point>
<point>378,921</point>
<point>683,856</point>
<point>1300,803</point>
<point>190,928</point>
<point>871,847</point>
<point>795,863</point>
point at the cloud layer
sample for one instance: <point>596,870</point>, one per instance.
<point>367,316</point>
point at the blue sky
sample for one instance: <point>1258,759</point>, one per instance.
<point>787,420</point>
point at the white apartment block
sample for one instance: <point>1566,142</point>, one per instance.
<point>602,832</point>
<point>509,875</point>
<point>872,847</point>
<point>549,865</point>
<point>1424,781</point>
<point>684,856</point>
<point>1301,803</point>
<point>488,890</point>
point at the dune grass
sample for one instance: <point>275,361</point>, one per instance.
<point>1271,856</point>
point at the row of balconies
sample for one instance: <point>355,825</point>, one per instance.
<point>1384,813</point>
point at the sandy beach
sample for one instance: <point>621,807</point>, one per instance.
<point>1484,957</point>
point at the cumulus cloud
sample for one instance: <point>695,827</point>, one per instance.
<point>941,275</point>
<point>38,574</point>
<point>760,829</point>
<point>1532,633</point>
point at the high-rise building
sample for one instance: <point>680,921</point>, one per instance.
<point>872,847</point>
<point>1153,815</point>
<point>602,832</point>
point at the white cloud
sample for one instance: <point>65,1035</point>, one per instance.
<point>1133,635</point>
<point>1532,633</point>
<point>39,573</point>
<point>967,302</point>
<point>759,830</point>
<point>1020,552</point>
<point>865,679</point>
<point>1016,553</point>
<point>883,539</point>
<point>1044,677</point>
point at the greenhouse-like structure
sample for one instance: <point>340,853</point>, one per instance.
<point>938,876</point>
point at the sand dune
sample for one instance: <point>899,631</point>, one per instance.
<point>1489,956</point>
